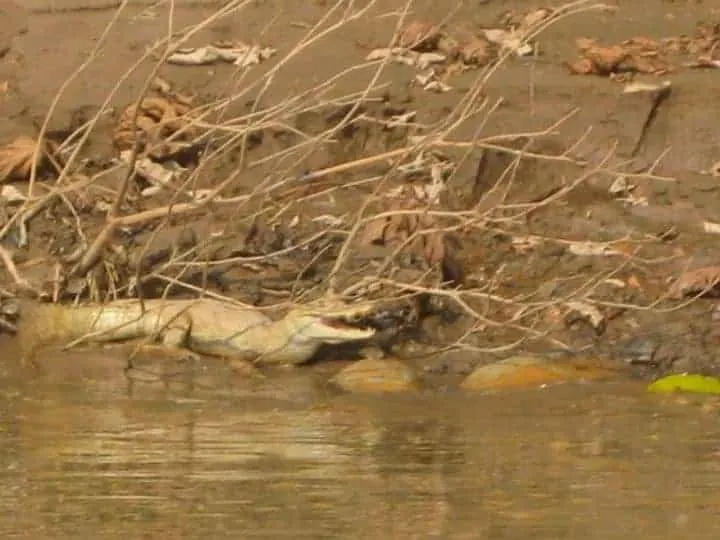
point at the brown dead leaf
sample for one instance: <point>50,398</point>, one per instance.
<point>701,281</point>
<point>606,59</point>
<point>535,17</point>
<point>396,230</point>
<point>434,248</point>
<point>586,312</point>
<point>476,52</point>
<point>585,43</point>
<point>642,43</point>
<point>374,232</point>
<point>652,65</point>
<point>151,122</point>
<point>419,36</point>
<point>636,55</point>
<point>582,66</point>
<point>16,159</point>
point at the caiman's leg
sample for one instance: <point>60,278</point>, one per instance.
<point>245,367</point>
<point>174,343</point>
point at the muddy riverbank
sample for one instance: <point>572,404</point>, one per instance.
<point>546,206</point>
<point>516,232</point>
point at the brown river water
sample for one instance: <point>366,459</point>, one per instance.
<point>90,453</point>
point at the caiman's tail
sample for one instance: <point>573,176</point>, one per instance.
<point>44,324</point>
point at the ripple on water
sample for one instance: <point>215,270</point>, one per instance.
<point>575,461</point>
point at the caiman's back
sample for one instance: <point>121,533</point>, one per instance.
<point>212,320</point>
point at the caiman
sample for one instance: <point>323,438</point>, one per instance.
<point>203,326</point>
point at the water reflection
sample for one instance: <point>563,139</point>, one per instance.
<point>100,457</point>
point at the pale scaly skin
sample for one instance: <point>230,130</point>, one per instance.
<point>203,326</point>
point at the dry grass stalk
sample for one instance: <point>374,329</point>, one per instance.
<point>406,224</point>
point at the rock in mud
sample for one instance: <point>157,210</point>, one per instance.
<point>377,375</point>
<point>533,372</point>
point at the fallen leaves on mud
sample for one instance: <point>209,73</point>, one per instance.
<point>421,36</point>
<point>636,55</point>
<point>647,55</point>
<point>16,159</point>
<point>238,53</point>
<point>152,122</point>
<point>524,21</point>
<point>585,312</point>
<point>411,232</point>
<point>476,51</point>
<point>425,46</point>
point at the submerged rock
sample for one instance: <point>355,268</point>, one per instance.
<point>379,375</point>
<point>535,371</point>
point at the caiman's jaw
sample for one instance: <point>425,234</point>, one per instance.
<point>333,326</point>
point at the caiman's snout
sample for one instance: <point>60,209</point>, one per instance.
<point>350,323</point>
<point>350,327</point>
<point>334,325</point>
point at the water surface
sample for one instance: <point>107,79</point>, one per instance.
<point>91,454</point>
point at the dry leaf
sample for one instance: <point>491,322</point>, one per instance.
<point>634,282</point>
<point>406,57</point>
<point>606,59</point>
<point>581,67</point>
<point>419,36</point>
<point>12,194</point>
<point>591,248</point>
<point>535,17</point>
<point>153,121</point>
<point>711,227</point>
<point>638,55</point>
<point>586,312</point>
<point>435,248</point>
<point>701,281</point>
<point>476,52</point>
<point>16,159</point>
<point>510,40</point>
<point>239,54</point>
<point>395,230</point>
<point>642,43</point>
<point>374,232</point>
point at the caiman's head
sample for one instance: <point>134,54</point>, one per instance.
<point>332,322</point>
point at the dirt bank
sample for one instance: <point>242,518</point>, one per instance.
<point>569,240</point>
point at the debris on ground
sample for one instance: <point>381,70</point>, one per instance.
<point>438,55</point>
<point>635,55</point>
<point>651,56</point>
<point>421,36</point>
<point>406,228</point>
<point>160,125</point>
<point>238,53</point>
<point>16,159</point>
